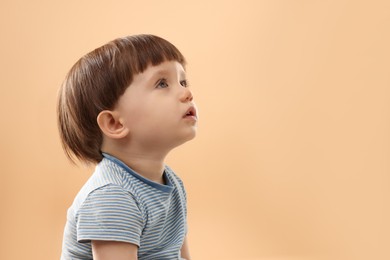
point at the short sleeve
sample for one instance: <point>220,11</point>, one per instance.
<point>109,213</point>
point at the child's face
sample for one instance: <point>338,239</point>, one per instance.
<point>158,107</point>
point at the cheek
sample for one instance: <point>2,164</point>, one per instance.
<point>142,115</point>
<point>146,114</point>
<point>132,113</point>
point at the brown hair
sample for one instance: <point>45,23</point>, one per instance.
<point>96,82</point>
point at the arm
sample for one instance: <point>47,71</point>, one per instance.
<point>185,252</point>
<point>107,250</point>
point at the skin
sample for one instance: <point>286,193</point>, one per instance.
<point>148,121</point>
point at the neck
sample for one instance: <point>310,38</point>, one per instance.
<point>149,164</point>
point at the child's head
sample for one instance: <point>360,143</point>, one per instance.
<point>97,81</point>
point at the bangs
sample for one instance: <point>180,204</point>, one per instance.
<point>145,50</point>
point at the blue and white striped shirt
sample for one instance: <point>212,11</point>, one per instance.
<point>117,204</point>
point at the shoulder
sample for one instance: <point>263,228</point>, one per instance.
<point>110,198</point>
<point>107,180</point>
<point>110,191</point>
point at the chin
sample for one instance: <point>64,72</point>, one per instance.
<point>192,135</point>
<point>188,137</point>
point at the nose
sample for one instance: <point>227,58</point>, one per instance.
<point>186,95</point>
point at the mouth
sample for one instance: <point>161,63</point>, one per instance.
<point>191,113</point>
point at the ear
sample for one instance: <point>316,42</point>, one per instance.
<point>111,124</point>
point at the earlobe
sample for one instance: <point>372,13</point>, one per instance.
<point>111,125</point>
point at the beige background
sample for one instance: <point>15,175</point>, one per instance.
<point>292,156</point>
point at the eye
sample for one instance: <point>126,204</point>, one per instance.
<point>184,83</point>
<point>162,84</point>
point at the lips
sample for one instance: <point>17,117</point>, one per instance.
<point>191,112</point>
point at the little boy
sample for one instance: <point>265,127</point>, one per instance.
<point>124,107</point>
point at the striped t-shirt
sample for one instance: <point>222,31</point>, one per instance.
<point>117,204</point>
